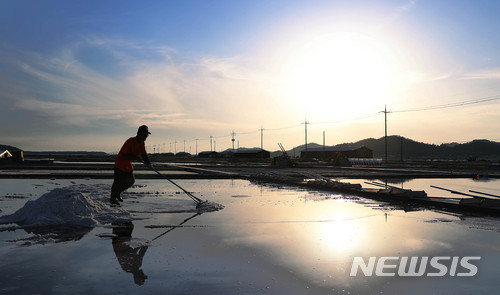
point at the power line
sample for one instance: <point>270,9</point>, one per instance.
<point>427,108</point>
<point>283,128</point>
<point>345,120</point>
<point>451,105</point>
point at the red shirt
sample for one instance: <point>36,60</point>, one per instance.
<point>131,147</point>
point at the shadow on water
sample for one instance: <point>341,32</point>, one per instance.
<point>177,226</point>
<point>129,257</point>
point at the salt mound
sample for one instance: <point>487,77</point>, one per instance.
<point>67,207</point>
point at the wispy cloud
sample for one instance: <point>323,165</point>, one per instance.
<point>406,6</point>
<point>484,74</point>
<point>421,77</point>
<point>169,91</point>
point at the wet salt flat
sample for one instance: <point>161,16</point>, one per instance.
<point>268,239</point>
<point>462,185</point>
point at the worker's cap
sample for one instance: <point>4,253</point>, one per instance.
<point>143,129</point>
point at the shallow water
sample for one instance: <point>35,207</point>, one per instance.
<point>268,239</point>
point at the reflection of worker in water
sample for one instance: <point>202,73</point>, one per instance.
<point>130,259</point>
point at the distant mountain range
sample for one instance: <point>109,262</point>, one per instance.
<point>10,148</point>
<point>479,149</point>
<point>52,153</point>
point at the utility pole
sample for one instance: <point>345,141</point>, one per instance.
<point>261,138</point>
<point>175,147</point>
<point>197,146</point>
<point>385,138</point>
<point>232,133</point>
<point>305,124</point>
<point>211,143</point>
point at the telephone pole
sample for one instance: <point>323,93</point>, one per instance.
<point>232,133</point>
<point>261,138</point>
<point>385,138</point>
<point>305,124</point>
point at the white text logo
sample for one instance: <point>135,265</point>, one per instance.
<point>416,266</point>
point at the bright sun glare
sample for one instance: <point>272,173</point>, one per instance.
<point>343,74</point>
<point>339,236</point>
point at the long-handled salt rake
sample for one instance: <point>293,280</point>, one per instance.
<point>197,200</point>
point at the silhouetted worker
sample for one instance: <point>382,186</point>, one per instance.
<point>133,149</point>
<point>130,259</point>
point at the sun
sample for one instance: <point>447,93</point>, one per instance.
<point>341,73</point>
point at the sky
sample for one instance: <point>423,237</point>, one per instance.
<point>84,75</point>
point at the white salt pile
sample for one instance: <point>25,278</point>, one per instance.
<point>65,207</point>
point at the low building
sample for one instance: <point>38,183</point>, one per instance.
<point>336,153</point>
<point>207,154</point>
<point>252,153</point>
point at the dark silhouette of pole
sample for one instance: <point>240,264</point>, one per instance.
<point>261,138</point>
<point>385,138</point>
<point>232,133</point>
<point>305,124</point>
<point>385,115</point>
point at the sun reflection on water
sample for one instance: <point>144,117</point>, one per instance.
<point>340,235</point>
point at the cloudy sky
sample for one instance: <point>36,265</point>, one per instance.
<point>83,75</point>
